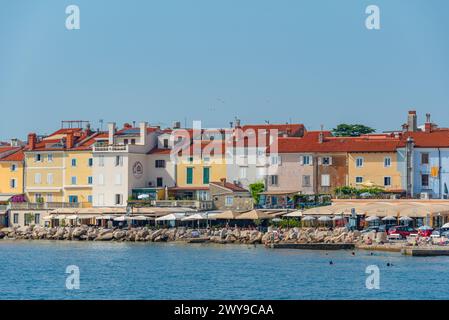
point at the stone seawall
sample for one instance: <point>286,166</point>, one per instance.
<point>224,235</point>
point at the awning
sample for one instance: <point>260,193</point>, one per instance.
<point>253,215</point>
<point>280,192</point>
<point>293,214</point>
<point>171,217</point>
<point>195,217</point>
<point>227,215</point>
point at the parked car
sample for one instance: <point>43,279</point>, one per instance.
<point>381,228</point>
<point>440,232</point>
<point>425,231</point>
<point>403,231</point>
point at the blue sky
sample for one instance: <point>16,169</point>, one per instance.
<point>312,62</point>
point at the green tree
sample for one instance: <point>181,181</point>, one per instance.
<point>256,188</point>
<point>351,130</point>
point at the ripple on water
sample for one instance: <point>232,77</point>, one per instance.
<point>36,270</point>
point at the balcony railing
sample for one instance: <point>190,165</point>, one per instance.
<point>45,205</point>
<point>111,148</point>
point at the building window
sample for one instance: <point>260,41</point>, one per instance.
<point>159,164</point>
<point>37,178</point>
<point>49,197</point>
<point>243,172</point>
<point>50,157</point>
<point>101,199</point>
<point>118,199</point>
<point>90,162</point>
<point>358,180</point>
<point>387,181</point>
<point>189,178</point>
<point>37,218</point>
<point>73,199</point>
<point>275,160</point>
<point>13,183</point>
<point>159,182</point>
<point>274,179</point>
<point>306,160</point>
<point>13,167</point>
<point>359,162</point>
<point>166,143</point>
<point>101,161</point>
<point>89,198</point>
<point>387,162</point>
<point>38,157</point>
<point>229,201</point>
<point>306,181</point>
<point>118,161</point>
<point>125,141</point>
<point>38,198</point>
<point>73,162</point>
<point>326,161</point>
<point>424,158</point>
<point>325,180</point>
<point>206,175</point>
<point>90,180</point>
<point>73,180</point>
<point>133,141</point>
<point>15,218</point>
<point>100,179</point>
<point>50,178</point>
<point>425,180</point>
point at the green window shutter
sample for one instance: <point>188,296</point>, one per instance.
<point>189,175</point>
<point>206,175</point>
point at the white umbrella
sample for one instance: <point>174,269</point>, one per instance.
<point>388,218</point>
<point>308,218</point>
<point>104,217</point>
<point>139,218</point>
<point>293,214</point>
<point>170,217</point>
<point>372,218</point>
<point>72,217</point>
<point>405,218</point>
<point>324,219</point>
<point>446,225</point>
<point>193,217</point>
<point>120,218</point>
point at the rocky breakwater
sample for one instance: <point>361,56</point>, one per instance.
<point>86,233</point>
<point>311,235</point>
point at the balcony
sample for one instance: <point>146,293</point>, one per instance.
<point>45,205</point>
<point>112,148</point>
<point>194,204</point>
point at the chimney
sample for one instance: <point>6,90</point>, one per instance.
<point>127,126</point>
<point>321,135</point>
<point>70,141</point>
<point>412,121</point>
<point>143,132</point>
<point>237,123</point>
<point>223,181</point>
<point>404,127</point>
<point>111,133</point>
<point>177,125</point>
<point>428,124</point>
<point>32,139</point>
<point>14,142</point>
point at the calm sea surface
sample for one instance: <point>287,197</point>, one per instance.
<point>36,270</point>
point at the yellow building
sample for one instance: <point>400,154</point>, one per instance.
<point>59,167</point>
<point>198,169</point>
<point>11,172</point>
<point>377,169</point>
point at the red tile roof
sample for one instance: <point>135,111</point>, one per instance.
<point>289,129</point>
<point>159,151</point>
<point>435,139</point>
<point>17,155</point>
<point>310,143</point>
<point>230,186</point>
